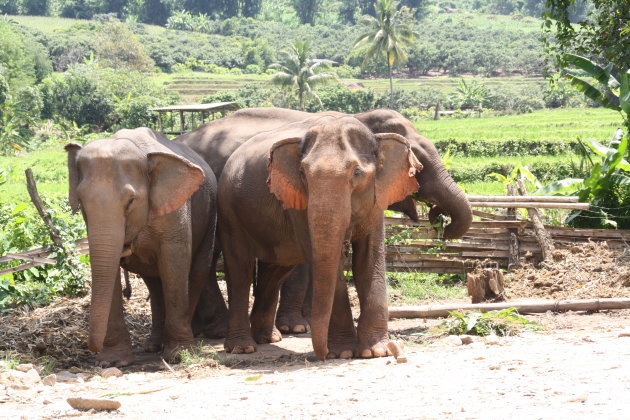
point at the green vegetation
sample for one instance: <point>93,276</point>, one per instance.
<point>502,323</point>
<point>414,287</point>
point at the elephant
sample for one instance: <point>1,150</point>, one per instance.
<point>217,140</point>
<point>305,192</point>
<point>150,207</point>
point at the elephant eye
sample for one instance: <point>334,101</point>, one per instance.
<point>129,204</point>
<point>358,171</point>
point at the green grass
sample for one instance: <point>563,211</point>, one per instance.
<point>414,287</point>
<point>483,188</point>
<point>562,124</point>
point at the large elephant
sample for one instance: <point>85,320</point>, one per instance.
<point>150,207</point>
<point>216,141</point>
<point>302,193</point>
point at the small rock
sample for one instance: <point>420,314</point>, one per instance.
<point>50,380</point>
<point>25,367</point>
<point>46,402</point>
<point>75,369</point>
<point>467,339</point>
<point>112,371</point>
<point>453,340</point>
<point>31,377</point>
<point>625,333</point>
<point>67,377</point>
<point>175,396</point>
<point>85,404</point>
<point>84,376</point>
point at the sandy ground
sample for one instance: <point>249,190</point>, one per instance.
<point>577,367</point>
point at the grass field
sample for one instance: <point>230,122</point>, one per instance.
<point>555,124</point>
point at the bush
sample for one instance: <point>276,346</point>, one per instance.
<point>252,69</point>
<point>505,147</point>
<point>342,99</point>
<point>249,96</point>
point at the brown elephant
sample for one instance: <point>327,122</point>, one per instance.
<point>302,193</point>
<point>150,207</point>
<point>217,140</point>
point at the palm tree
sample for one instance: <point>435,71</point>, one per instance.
<point>388,36</point>
<point>298,70</point>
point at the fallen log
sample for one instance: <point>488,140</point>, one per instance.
<point>526,307</point>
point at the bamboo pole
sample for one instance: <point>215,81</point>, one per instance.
<point>530,205</point>
<point>523,198</point>
<point>527,307</point>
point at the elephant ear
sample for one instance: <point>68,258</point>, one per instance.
<point>172,181</point>
<point>397,167</point>
<point>284,179</point>
<point>73,175</point>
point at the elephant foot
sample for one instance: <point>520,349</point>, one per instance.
<point>153,345</point>
<point>216,329</point>
<point>239,344</point>
<point>292,322</point>
<point>266,335</point>
<point>379,349</point>
<point>344,348</point>
<point>117,356</point>
<point>171,351</point>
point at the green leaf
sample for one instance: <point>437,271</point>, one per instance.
<point>253,378</point>
<point>19,208</point>
<point>564,187</point>
<point>591,92</point>
<point>601,74</point>
<point>624,93</point>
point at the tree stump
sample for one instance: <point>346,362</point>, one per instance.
<point>486,285</point>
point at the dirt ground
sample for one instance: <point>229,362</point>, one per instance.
<point>577,366</point>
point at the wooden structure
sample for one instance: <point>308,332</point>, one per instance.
<point>495,241</point>
<point>198,114</point>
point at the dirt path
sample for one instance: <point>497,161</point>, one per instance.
<point>578,367</point>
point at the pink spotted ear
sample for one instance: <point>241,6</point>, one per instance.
<point>397,167</point>
<point>284,179</point>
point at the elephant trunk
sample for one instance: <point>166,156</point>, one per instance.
<point>438,187</point>
<point>106,244</point>
<point>328,220</point>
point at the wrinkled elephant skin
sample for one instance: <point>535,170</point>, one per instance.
<point>298,194</point>
<point>150,207</point>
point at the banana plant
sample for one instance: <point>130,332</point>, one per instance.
<point>613,92</point>
<point>607,181</point>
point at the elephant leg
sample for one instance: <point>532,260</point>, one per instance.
<point>174,273</point>
<point>368,267</point>
<point>293,296</point>
<point>155,342</point>
<point>266,292</point>
<point>342,336</point>
<point>239,270</point>
<point>117,344</point>
<point>210,315</point>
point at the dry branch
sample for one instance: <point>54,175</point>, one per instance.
<point>544,238</point>
<point>39,205</point>
<point>529,307</point>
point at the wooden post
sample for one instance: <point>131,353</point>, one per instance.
<point>436,115</point>
<point>544,239</point>
<point>513,246</point>
<point>181,121</point>
<point>485,285</point>
<point>31,186</point>
<point>161,122</point>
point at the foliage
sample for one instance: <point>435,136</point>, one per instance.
<point>23,61</point>
<point>299,72</point>
<point>470,95</point>
<point>389,36</point>
<point>505,322</point>
<point>342,99</point>
<point>606,186</point>
<point>18,117</point>
<point>249,96</point>
<point>519,172</point>
<point>21,230</point>
<point>412,287</point>
<point>102,97</point>
<point>118,47</point>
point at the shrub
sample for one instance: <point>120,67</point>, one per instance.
<point>252,69</point>
<point>342,99</point>
<point>118,47</point>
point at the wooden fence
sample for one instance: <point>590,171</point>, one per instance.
<point>496,240</point>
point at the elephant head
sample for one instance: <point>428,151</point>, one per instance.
<point>122,184</point>
<point>344,176</point>
<point>436,185</point>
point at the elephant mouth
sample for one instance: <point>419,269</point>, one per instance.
<point>127,250</point>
